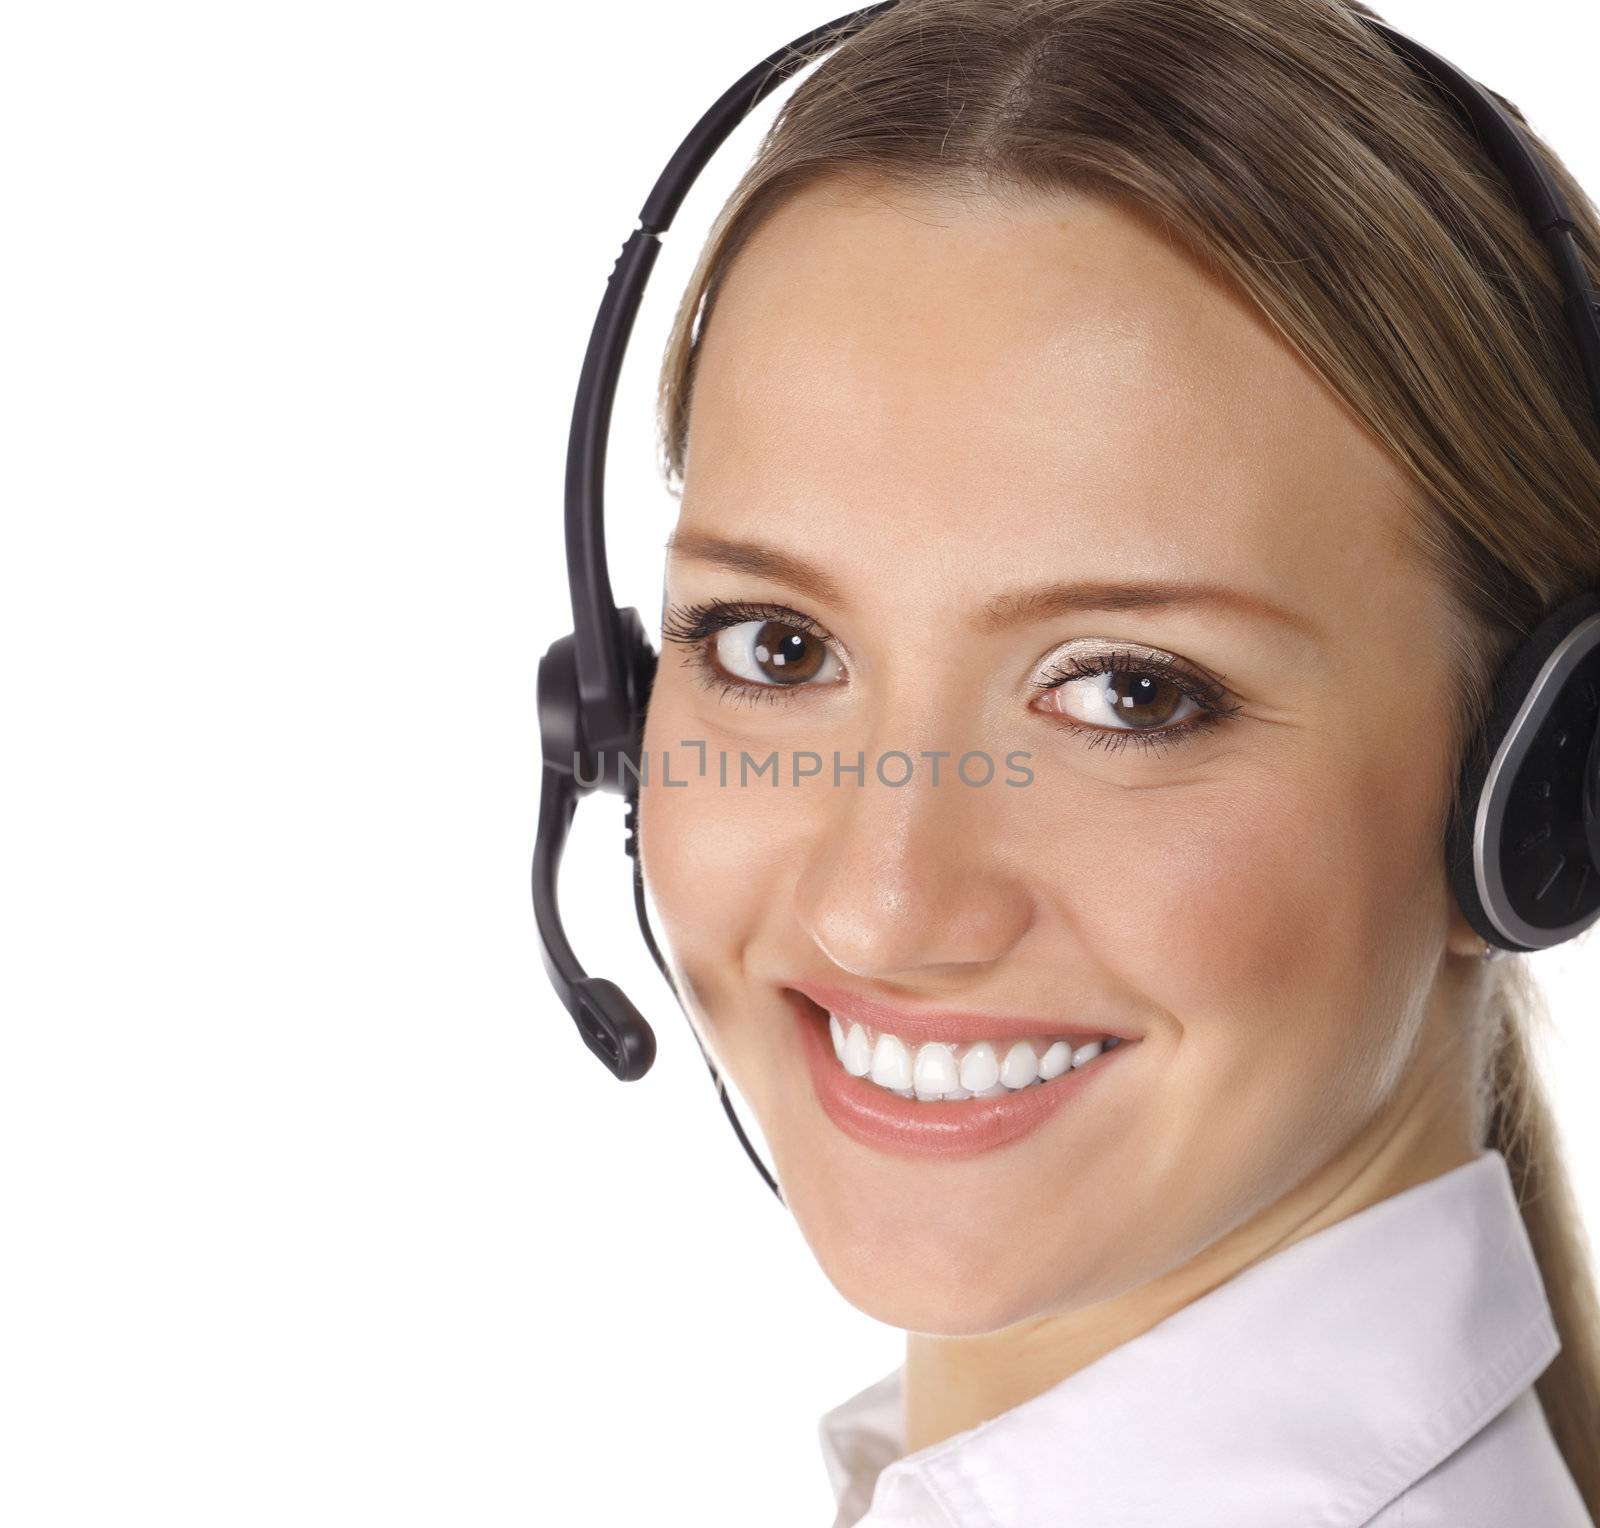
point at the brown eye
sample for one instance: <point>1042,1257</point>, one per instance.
<point>773,652</point>
<point>1120,699</point>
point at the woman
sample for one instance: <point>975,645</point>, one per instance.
<point>1166,404</point>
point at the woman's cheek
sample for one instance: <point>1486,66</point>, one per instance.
<point>1184,901</point>
<point>1266,895</point>
<point>714,858</point>
<point>1287,965</point>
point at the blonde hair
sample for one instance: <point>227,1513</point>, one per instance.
<point>1290,149</point>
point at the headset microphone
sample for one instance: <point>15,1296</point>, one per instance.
<point>1523,842</point>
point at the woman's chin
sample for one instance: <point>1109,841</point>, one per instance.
<point>931,1277</point>
<point>935,1301</point>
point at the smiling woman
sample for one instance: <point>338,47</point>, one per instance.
<point>1171,397</point>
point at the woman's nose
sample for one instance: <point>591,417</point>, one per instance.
<point>904,880</point>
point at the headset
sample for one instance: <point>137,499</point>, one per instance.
<point>1523,841</point>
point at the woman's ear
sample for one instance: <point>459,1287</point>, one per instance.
<point>1462,939</point>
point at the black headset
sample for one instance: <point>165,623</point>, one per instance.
<point>1523,843</point>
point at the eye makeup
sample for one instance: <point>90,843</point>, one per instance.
<point>1140,673</point>
<point>1129,677</point>
<point>697,626</point>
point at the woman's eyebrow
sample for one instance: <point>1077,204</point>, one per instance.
<point>1020,606</point>
<point>1015,607</point>
<point>761,561</point>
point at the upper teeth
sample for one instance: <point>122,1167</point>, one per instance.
<point>940,1070</point>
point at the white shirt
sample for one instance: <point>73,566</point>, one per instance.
<point>1377,1372</point>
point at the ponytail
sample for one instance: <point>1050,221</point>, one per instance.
<point>1522,1127</point>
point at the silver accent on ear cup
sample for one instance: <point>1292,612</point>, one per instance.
<point>1513,749</point>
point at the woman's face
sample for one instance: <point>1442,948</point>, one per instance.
<point>920,412</point>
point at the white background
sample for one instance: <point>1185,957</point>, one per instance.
<point>314,1208</point>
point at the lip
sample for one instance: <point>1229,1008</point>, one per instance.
<point>905,1127</point>
<point>918,1026</point>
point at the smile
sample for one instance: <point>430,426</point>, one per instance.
<point>897,1097</point>
<point>936,1070</point>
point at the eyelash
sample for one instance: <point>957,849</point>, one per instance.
<point>1209,695</point>
<point>693,624</point>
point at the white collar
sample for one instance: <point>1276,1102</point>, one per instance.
<point>1323,1380</point>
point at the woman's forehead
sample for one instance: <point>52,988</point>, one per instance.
<point>892,376</point>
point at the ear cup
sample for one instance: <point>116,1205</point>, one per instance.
<point>568,727</point>
<point>1520,849</point>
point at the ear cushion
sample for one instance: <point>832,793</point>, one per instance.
<point>640,661</point>
<point>1518,855</point>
